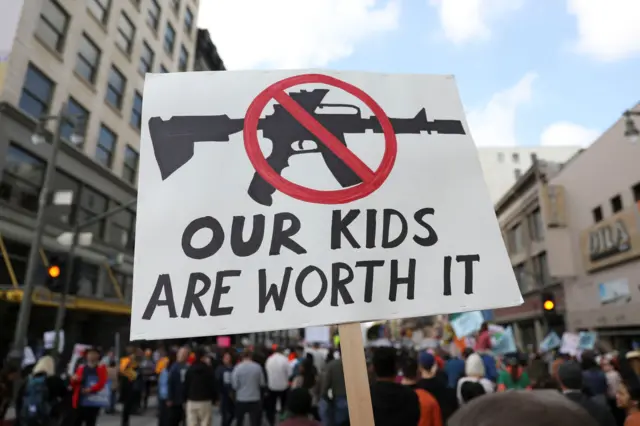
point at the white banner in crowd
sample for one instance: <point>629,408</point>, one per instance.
<point>272,200</point>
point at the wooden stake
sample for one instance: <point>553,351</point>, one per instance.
<point>355,375</point>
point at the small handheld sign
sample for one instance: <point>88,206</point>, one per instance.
<point>273,200</point>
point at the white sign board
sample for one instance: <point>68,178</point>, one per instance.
<point>320,334</point>
<point>279,199</point>
<point>49,339</point>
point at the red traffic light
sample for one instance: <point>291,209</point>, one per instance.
<point>53,271</point>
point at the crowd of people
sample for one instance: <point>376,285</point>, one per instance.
<point>305,386</point>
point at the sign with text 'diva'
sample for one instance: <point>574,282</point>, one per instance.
<point>281,199</point>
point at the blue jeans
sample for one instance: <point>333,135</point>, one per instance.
<point>333,413</point>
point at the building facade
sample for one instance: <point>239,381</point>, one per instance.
<point>89,56</point>
<point>503,166</point>
<point>598,251</point>
<point>207,57</point>
<point>523,215</point>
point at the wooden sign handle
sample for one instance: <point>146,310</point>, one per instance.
<point>355,375</point>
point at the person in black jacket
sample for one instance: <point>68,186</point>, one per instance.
<point>175,388</point>
<point>200,390</point>
<point>572,382</point>
<point>56,390</point>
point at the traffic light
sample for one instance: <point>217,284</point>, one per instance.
<point>54,274</point>
<point>548,303</point>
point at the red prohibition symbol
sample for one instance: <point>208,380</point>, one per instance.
<point>371,180</point>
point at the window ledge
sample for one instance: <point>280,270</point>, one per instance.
<point>102,25</point>
<point>137,130</point>
<point>154,31</point>
<point>113,108</point>
<point>86,82</point>
<point>48,48</point>
<point>124,53</point>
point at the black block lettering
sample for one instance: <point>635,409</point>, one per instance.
<point>206,222</point>
<point>372,222</point>
<point>282,237</point>
<point>447,276</point>
<point>369,265</point>
<point>430,239</point>
<point>265,295</point>
<point>395,281</point>
<point>162,285</point>
<point>300,281</point>
<point>192,298</point>
<point>339,285</point>
<point>218,290</point>
<point>386,228</point>
<point>340,227</point>
<point>468,270</point>
<point>238,245</point>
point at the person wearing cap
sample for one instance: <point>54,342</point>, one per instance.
<point>436,384</point>
<point>571,382</point>
<point>474,370</point>
<point>633,358</point>
<point>88,379</point>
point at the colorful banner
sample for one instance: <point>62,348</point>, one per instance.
<point>506,344</point>
<point>587,340</point>
<point>550,342</point>
<point>467,323</point>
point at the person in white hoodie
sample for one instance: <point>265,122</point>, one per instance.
<point>278,371</point>
<point>474,373</point>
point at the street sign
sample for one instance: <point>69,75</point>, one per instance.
<point>274,200</point>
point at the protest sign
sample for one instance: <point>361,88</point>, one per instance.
<point>570,343</point>
<point>49,338</point>
<point>550,342</point>
<point>467,323</point>
<point>587,340</point>
<point>505,343</point>
<point>273,200</point>
<point>321,334</point>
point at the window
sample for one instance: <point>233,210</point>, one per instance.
<point>188,21</point>
<point>121,228</point>
<point>136,111</point>
<point>517,173</point>
<point>136,3</point>
<point>86,279</point>
<point>522,277</point>
<point>163,69</point>
<point>36,93</point>
<point>146,59</point>
<point>92,203</point>
<point>616,204</point>
<point>536,226</point>
<point>184,59</point>
<point>126,33</point>
<point>81,116</point>
<point>88,59</point>
<point>500,157</point>
<point>63,182</point>
<point>175,4</point>
<point>22,178</point>
<point>99,9</point>
<point>130,170</point>
<point>597,214</point>
<point>106,146</point>
<point>53,25</point>
<point>169,39</point>
<point>115,87</point>
<point>515,239</point>
<point>153,15</point>
<point>541,269</point>
<point>516,157</point>
<point>18,254</point>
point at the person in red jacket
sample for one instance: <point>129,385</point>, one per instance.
<point>87,382</point>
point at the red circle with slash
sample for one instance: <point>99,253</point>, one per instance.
<point>371,180</point>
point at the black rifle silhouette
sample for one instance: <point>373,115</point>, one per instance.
<point>173,140</point>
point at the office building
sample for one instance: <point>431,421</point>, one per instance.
<point>207,57</point>
<point>503,166</point>
<point>90,55</point>
<point>598,251</point>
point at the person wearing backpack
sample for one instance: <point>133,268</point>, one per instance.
<point>40,396</point>
<point>88,384</point>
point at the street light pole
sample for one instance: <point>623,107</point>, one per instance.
<point>24,314</point>
<point>68,276</point>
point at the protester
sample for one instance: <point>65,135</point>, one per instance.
<point>436,385</point>
<point>278,373</point>
<point>147,369</point>
<point>225,390</point>
<point>298,409</point>
<point>430,414</point>
<point>163,391</point>
<point>393,404</point>
<point>248,381</point>
<point>595,380</point>
<point>474,372</point>
<point>307,378</point>
<point>200,391</point>
<point>130,384</point>
<point>514,377</point>
<point>521,408</point>
<point>113,377</point>
<point>89,379</point>
<point>628,399</point>
<point>483,342</point>
<point>39,400</point>
<point>333,407</point>
<point>571,382</point>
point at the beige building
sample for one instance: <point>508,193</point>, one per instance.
<point>523,216</point>
<point>90,55</point>
<point>598,250</point>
